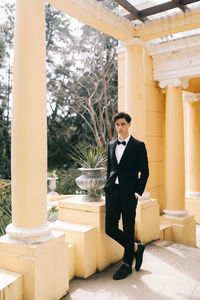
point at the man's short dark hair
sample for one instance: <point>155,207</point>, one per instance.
<point>121,115</point>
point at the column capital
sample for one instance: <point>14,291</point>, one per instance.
<point>190,97</point>
<point>174,82</point>
<point>124,44</point>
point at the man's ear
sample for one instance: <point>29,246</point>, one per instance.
<point>129,124</point>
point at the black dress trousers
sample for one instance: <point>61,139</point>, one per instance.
<point>119,204</point>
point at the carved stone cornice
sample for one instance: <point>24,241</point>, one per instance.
<point>124,44</point>
<point>174,45</point>
<point>176,61</point>
<point>174,82</point>
<point>190,97</point>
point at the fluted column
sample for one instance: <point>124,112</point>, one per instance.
<point>29,125</point>
<point>192,154</point>
<point>175,155</point>
<point>121,76</point>
<point>193,143</point>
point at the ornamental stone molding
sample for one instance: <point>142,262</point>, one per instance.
<point>175,214</point>
<point>193,194</point>
<point>29,235</point>
<point>133,41</point>
<point>124,44</point>
<point>175,61</point>
<point>174,82</point>
<point>190,97</point>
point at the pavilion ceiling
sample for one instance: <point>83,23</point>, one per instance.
<point>134,13</point>
<point>123,25</point>
<point>142,15</point>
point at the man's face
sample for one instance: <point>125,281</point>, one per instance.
<point>122,127</point>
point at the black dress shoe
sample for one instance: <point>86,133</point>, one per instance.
<point>123,272</point>
<point>139,256</point>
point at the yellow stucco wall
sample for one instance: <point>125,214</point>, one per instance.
<point>155,112</point>
<point>121,73</point>
<point>194,85</point>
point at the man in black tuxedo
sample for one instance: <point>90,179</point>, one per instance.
<point>127,174</point>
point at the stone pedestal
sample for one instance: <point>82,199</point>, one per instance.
<point>11,285</point>
<point>147,221</point>
<point>193,205</point>
<point>76,210</point>
<point>84,253</point>
<point>44,266</point>
<point>183,229</point>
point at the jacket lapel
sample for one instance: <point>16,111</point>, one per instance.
<point>127,150</point>
<point>112,152</point>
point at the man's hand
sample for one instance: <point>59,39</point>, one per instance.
<point>137,196</point>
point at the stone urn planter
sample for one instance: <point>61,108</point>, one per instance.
<point>91,180</point>
<point>92,161</point>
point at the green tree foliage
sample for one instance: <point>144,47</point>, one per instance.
<point>6,45</point>
<point>81,87</point>
<point>5,204</point>
<point>63,128</point>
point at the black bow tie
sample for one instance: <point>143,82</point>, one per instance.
<point>123,143</point>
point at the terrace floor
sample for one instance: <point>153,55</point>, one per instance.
<point>169,271</point>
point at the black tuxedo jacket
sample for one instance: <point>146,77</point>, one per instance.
<point>132,170</point>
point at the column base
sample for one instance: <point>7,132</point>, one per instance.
<point>175,214</point>
<point>29,235</point>
<point>183,229</point>
<point>193,205</point>
<point>44,266</point>
<point>147,223</point>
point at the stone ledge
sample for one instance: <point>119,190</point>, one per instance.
<point>7,278</point>
<point>84,238</point>
<point>77,203</point>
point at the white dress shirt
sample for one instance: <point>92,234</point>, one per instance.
<point>119,152</point>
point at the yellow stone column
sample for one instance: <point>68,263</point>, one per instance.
<point>134,86</point>
<point>30,247</point>
<point>175,159</point>
<point>29,126</point>
<point>193,151</point>
<point>121,77</point>
<point>133,70</point>
<point>183,225</point>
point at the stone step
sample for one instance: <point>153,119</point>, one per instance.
<point>71,248</point>
<point>166,232</point>
<point>84,239</point>
<point>11,285</point>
